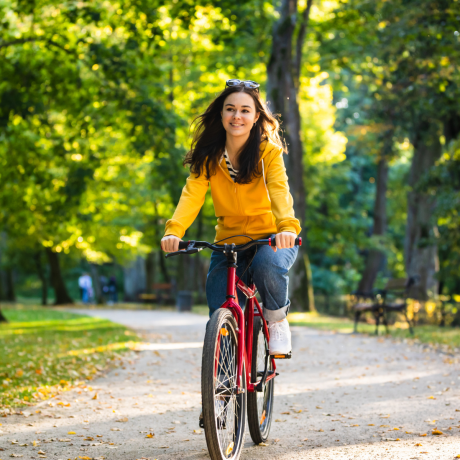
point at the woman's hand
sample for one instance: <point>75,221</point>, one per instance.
<point>284,240</point>
<point>170,243</point>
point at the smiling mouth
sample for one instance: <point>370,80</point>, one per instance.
<point>235,125</point>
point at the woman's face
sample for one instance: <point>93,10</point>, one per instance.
<point>239,114</point>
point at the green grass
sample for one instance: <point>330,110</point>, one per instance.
<point>430,334</point>
<point>44,351</point>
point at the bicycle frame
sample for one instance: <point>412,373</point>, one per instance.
<point>245,323</point>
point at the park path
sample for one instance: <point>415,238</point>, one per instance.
<point>341,397</point>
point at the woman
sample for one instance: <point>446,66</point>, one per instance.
<point>237,150</point>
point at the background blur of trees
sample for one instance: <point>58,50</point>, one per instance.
<point>96,99</point>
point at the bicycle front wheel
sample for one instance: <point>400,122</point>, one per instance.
<point>260,403</point>
<point>224,410</point>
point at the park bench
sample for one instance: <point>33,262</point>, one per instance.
<point>163,293</point>
<point>392,298</point>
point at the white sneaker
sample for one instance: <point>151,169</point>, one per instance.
<point>280,338</point>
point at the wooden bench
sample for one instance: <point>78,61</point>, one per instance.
<point>367,301</point>
<point>159,296</point>
<point>393,298</point>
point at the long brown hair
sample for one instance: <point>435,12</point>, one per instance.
<point>208,143</point>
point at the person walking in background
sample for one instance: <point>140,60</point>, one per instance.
<point>112,287</point>
<point>86,286</point>
<point>81,284</point>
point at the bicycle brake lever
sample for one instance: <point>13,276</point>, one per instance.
<point>186,251</point>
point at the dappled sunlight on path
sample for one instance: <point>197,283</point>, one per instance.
<point>340,397</point>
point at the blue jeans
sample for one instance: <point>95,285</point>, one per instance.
<point>269,271</point>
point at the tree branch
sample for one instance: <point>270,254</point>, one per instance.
<point>301,38</point>
<point>19,41</point>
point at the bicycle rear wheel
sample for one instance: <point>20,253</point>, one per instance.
<point>224,410</point>
<point>260,403</point>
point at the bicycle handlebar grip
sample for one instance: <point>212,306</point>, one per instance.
<point>272,241</point>
<point>183,244</point>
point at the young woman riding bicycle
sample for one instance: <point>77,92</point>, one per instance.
<point>237,150</point>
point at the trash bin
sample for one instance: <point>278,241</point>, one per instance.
<point>184,301</point>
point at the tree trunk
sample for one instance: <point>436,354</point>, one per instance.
<point>98,294</point>
<point>60,291</point>
<point>420,248</point>
<point>375,257</point>
<point>3,318</point>
<point>283,73</point>
<point>41,274</point>
<point>150,272</point>
<point>10,295</point>
<point>163,267</point>
<point>134,279</point>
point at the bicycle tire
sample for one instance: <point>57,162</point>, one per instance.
<point>260,404</point>
<point>224,412</point>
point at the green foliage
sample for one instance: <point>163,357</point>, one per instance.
<point>96,100</point>
<point>45,351</point>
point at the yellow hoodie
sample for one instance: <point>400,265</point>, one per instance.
<point>258,209</point>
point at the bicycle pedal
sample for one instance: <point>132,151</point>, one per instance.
<point>285,356</point>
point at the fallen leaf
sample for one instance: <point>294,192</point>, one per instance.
<point>370,424</point>
<point>396,429</point>
<point>354,425</point>
<point>41,452</point>
<point>409,432</point>
<point>150,435</point>
<point>436,432</point>
<point>115,429</point>
<point>85,458</point>
<point>64,440</point>
<point>279,420</point>
<point>318,407</point>
<point>431,397</point>
<point>418,444</point>
<point>424,434</point>
<point>263,444</point>
<point>123,419</point>
<point>284,413</point>
<point>16,455</point>
<point>197,431</point>
<point>306,439</point>
<point>94,397</point>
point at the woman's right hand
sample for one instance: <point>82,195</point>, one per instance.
<point>170,243</point>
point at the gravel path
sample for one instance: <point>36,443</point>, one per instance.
<point>340,397</point>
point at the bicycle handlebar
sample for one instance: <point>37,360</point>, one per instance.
<point>191,247</point>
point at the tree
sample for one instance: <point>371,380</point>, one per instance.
<point>283,72</point>
<point>404,52</point>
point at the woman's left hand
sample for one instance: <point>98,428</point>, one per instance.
<point>284,240</point>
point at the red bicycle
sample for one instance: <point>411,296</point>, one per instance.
<point>237,375</point>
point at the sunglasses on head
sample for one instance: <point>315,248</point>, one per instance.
<point>248,83</point>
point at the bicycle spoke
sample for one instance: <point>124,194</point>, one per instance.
<point>226,403</point>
